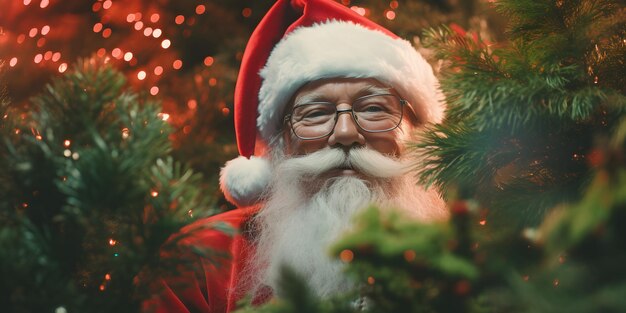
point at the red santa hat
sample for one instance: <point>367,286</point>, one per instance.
<point>299,41</point>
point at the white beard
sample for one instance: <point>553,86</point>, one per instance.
<point>307,210</point>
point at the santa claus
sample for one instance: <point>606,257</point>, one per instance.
<point>325,103</point>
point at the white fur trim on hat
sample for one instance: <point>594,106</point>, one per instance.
<point>244,180</point>
<point>344,49</point>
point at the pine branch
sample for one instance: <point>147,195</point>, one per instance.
<point>95,195</point>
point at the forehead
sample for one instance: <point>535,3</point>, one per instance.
<point>336,88</point>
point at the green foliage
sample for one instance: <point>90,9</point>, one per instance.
<point>89,194</point>
<point>405,266</point>
<point>522,117</point>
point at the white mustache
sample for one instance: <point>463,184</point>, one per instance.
<point>366,161</point>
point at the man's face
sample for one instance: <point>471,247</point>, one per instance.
<point>346,133</point>
<point>318,185</point>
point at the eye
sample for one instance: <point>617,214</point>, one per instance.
<point>313,112</point>
<point>373,108</point>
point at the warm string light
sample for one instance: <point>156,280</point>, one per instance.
<point>144,23</point>
<point>107,279</point>
<point>359,10</point>
<point>177,64</point>
<point>97,27</point>
<point>158,70</point>
<point>163,116</point>
<point>208,61</point>
<point>409,255</point>
<point>390,15</point>
<point>36,133</point>
<point>200,9</point>
<point>346,256</point>
<point>192,104</point>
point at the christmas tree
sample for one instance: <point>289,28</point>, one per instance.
<point>531,159</point>
<point>89,194</point>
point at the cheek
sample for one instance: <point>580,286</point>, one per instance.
<point>295,146</point>
<point>388,143</point>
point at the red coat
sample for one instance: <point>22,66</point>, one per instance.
<point>210,287</point>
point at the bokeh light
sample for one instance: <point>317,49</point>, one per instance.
<point>246,12</point>
<point>390,15</point>
<point>208,61</point>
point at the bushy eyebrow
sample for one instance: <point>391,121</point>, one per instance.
<point>373,90</point>
<point>321,97</point>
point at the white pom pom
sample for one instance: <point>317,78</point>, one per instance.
<point>244,180</point>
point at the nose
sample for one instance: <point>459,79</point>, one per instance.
<point>346,132</point>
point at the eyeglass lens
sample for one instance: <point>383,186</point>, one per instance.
<point>375,113</point>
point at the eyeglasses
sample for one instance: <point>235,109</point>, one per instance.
<point>373,113</point>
